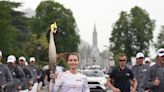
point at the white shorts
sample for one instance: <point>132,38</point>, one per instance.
<point>26,90</point>
<point>51,86</point>
<point>34,87</point>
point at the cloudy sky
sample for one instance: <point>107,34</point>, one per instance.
<point>103,13</point>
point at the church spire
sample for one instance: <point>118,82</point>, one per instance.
<point>94,36</point>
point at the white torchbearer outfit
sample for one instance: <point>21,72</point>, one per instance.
<point>68,82</point>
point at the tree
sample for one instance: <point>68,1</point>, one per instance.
<point>132,32</point>
<point>19,21</point>
<point>160,41</point>
<point>66,38</point>
<point>13,28</point>
<point>38,47</point>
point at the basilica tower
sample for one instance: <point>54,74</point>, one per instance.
<point>95,51</point>
<point>94,43</point>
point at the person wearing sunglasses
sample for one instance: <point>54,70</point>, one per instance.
<point>121,78</point>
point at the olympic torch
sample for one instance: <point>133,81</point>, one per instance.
<point>52,48</point>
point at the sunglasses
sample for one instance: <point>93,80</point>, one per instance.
<point>141,58</point>
<point>162,56</point>
<point>21,60</point>
<point>161,52</point>
<point>122,60</point>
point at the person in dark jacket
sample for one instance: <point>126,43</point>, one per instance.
<point>36,72</point>
<point>139,70</point>
<point>154,80</point>
<point>29,77</point>
<point>5,76</point>
<point>17,74</point>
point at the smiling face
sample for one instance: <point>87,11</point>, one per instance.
<point>73,61</point>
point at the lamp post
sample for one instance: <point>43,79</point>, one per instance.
<point>39,47</point>
<point>109,59</point>
<point>106,46</point>
<point>93,57</point>
<point>106,55</point>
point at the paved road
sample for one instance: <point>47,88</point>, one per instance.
<point>44,89</point>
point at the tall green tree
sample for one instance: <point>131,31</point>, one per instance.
<point>38,47</point>
<point>160,39</point>
<point>19,21</point>
<point>7,31</point>
<point>132,32</point>
<point>14,30</point>
<point>66,38</point>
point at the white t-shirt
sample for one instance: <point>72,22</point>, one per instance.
<point>68,82</point>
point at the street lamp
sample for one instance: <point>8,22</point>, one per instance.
<point>39,46</point>
<point>106,47</point>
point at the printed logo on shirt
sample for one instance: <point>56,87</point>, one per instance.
<point>127,74</point>
<point>78,80</point>
<point>34,70</point>
<point>144,70</point>
<point>13,73</point>
<point>82,79</point>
